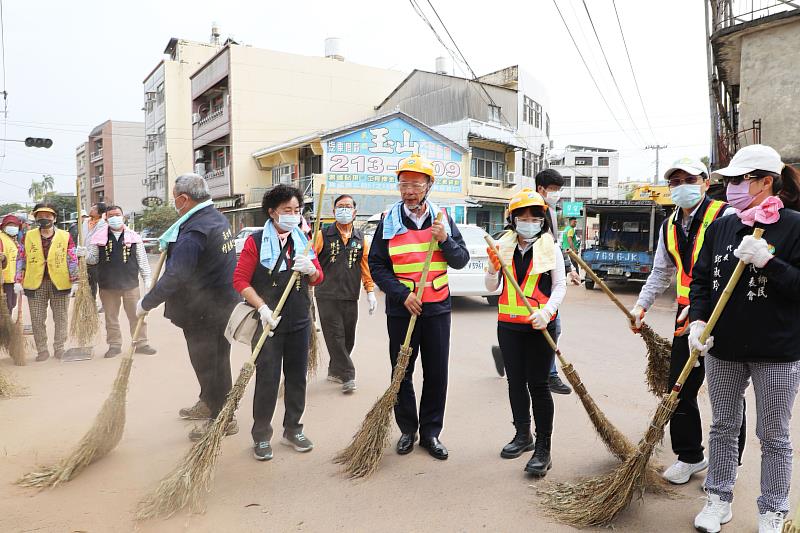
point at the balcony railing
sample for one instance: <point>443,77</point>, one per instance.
<point>219,182</point>
<point>209,122</point>
<point>96,156</point>
<point>98,180</point>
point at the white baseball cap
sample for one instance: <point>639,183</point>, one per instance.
<point>690,165</point>
<point>753,157</point>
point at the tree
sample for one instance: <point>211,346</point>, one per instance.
<point>11,208</point>
<point>706,161</point>
<point>64,204</point>
<point>157,219</point>
<point>39,189</point>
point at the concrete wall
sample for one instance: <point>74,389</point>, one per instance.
<point>276,96</point>
<point>770,87</point>
<point>569,169</point>
<point>127,164</point>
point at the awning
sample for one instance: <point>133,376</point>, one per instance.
<point>223,203</point>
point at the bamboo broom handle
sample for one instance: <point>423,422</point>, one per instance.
<point>79,222</point>
<point>421,289</point>
<point>601,284</point>
<point>153,282</point>
<point>715,314</point>
<point>286,291</point>
<point>511,279</point>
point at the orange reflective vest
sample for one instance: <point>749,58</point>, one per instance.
<point>408,251</point>
<point>510,309</point>
<point>684,275</point>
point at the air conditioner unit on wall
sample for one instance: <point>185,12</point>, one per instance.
<point>199,155</point>
<point>511,178</point>
<point>150,96</point>
<point>195,118</point>
<point>200,168</point>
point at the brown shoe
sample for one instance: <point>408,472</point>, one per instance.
<point>43,356</point>
<point>59,353</point>
<point>198,411</point>
<point>198,432</point>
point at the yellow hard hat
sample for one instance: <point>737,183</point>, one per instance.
<point>527,197</point>
<point>416,163</point>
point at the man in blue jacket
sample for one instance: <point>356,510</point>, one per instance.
<point>396,260</point>
<point>197,288</point>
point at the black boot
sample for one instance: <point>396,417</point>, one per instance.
<point>521,443</point>
<point>540,463</point>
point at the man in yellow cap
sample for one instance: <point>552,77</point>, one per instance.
<point>396,260</point>
<point>47,267</point>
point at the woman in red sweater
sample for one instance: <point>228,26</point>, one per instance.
<point>265,267</point>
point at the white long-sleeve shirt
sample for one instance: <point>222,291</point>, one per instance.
<point>558,287</point>
<point>93,257</point>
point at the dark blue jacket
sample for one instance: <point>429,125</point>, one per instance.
<point>197,283</point>
<point>380,267</point>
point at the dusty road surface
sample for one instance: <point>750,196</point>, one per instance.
<point>475,490</point>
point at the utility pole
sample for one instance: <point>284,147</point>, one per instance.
<point>657,148</point>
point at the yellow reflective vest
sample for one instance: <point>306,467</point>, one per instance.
<point>8,245</point>
<point>57,261</point>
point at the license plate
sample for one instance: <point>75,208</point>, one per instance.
<point>476,266</point>
<point>615,271</point>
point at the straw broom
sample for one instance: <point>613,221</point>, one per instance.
<point>18,345</point>
<point>614,440</point>
<point>363,454</point>
<point>106,431</point>
<point>85,323</point>
<point>597,501</point>
<point>8,387</point>
<point>6,326</point>
<point>191,479</point>
<point>659,349</point>
<point>313,352</point>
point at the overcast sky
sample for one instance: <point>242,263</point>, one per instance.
<point>72,65</point>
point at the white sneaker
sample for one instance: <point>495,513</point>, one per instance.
<point>714,514</point>
<point>680,472</point>
<point>770,522</point>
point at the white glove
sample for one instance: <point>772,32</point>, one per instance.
<point>81,251</point>
<point>73,290</point>
<point>695,331</point>
<point>373,302</point>
<point>139,309</point>
<point>266,317</point>
<point>304,265</point>
<point>147,282</point>
<point>753,251</point>
<point>638,313</point>
<point>18,288</point>
<point>540,318</point>
<point>574,278</point>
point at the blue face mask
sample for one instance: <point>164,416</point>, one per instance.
<point>344,215</point>
<point>288,222</point>
<point>686,196</point>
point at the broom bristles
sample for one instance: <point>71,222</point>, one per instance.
<point>8,387</point>
<point>190,480</point>
<point>18,345</point>
<point>102,437</point>
<point>85,323</point>
<point>313,352</point>
<point>363,455</point>
<point>659,354</point>
<point>597,501</point>
<point>6,326</point>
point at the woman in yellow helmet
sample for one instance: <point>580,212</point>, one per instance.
<point>538,266</point>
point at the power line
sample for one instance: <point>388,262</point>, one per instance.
<point>610,71</point>
<point>589,71</point>
<point>630,63</point>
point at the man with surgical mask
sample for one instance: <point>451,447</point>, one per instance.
<point>9,250</point>
<point>119,257</point>
<point>197,290</point>
<point>94,223</point>
<point>680,238</point>
<point>343,255</point>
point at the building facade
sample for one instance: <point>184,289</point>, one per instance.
<point>82,171</point>
<point>244,99</point>
<point>753,80</point>
<point>116,164</point>
<point>501,119</point>
<point>168,117</point>
<point>589,173</point>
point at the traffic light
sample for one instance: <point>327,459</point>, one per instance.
<point>37,142</point>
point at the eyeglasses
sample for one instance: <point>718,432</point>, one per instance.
<point>411,186</point>
<point>689,180</point>
<point>736,180</point>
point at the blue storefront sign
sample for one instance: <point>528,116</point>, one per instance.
<point>367,159</point>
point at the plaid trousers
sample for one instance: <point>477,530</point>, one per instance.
<point>59,303</point>
<point>775,386</point>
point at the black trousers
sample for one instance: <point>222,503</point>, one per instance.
<point>10,296</point>
<point>527,358</point>
<point>339,319</point>
<point>93,276</point>
<point>431,337</point>
<point>291,351</point>
<point>210,354</point>
<point>685,427</point>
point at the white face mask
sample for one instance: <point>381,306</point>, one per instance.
<point>116,222</point>
<point>528,230</point>
<point>13,231</point>
<point>344,215</point>
<point>552,197</point>
<point>288,222</point>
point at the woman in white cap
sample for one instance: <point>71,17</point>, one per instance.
<point>757,337</point>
